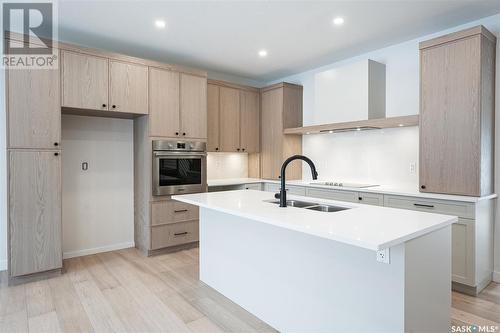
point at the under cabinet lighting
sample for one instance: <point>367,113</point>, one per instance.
<point>401,125</point>
<point>262,53</point>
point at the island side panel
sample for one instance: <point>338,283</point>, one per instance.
<point>428,282</point>
<point>297,282</point>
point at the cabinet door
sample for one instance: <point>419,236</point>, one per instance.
<point>229,119</point>
<point>84,81</point>
<point>163,103</point>
<point>213,117</point>
<point>462,251</point>
<point>34,211</point>
<point>34,118</point>
<point>271,131</point>
<point>128,87</point>
<point>193,106</point>
<point>339,195</point>
<point>250,121</point>
<point>374,199</point>
<point>450,145</point>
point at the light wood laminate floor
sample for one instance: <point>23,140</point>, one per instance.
<point>122,291</point>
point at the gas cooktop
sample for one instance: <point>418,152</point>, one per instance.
<point>342,184</point>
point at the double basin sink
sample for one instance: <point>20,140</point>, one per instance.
<point>310,205</point>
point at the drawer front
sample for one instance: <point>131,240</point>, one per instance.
<point>253,186</point>
<point>294,190</point>
<point>332,194</point>
<point>462,264</point>
<point>373,199</point>
<point>460,209</point>
<point>174,234</point>
<point>171,211</point>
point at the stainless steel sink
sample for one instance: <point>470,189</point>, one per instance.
<point>294,203</point>
<point>327,208</point>
<point>310,205</point>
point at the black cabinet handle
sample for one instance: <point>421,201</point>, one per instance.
<point>217,148</point>
<point>113,106</point>
<point>360,198</point>
<point>56,144</point>
<point>422,187</point>
<point>180,211</point>
<point>176,133</point>
<point>181,233</point>
<point>243,149</point>
<point>104,105</point>
<point>183,133</point>
<point>423,205</point>
<point>56,154</point>
<point>238,149</point>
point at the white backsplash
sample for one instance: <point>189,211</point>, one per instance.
<point>385,157</point>
<point>227,165</point>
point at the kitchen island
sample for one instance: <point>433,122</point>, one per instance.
<point>363,268</point>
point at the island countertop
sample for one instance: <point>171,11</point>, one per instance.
<point>370,227</point>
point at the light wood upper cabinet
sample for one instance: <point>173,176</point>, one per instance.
<point>84,81</point>
<point>34,211</point>
<point>457,113</point>
<point>250,121</point>
<point>163,103</point>
<point>213,128</point>
<point>128,87</point>
<point>234,118</point>
<point>281,108</point>
<point>193,106</point>
<point>229,119</point>
<point>34,109</point>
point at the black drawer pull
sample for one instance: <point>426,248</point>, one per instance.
<point>180,211</point>
<point>422,205</point>
<point>181,233</point>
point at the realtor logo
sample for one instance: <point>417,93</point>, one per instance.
<point>30,35</point>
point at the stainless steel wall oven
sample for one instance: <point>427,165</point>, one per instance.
<point>179,167</point>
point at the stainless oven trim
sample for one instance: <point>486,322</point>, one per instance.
<point>178,189</point>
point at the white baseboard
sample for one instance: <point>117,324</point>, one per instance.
<point>107,248</point>
<point>496,276</point>
<point>3,265</point>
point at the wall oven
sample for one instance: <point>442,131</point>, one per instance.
<point>179,167</point>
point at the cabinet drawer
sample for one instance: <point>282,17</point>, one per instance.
<point>253,186</point>
<point>332,194</point>
<point>294,190</point>
<point>460,209</point>
<point>374,199</point>
<point>171,211</point>
<point>173,234</point>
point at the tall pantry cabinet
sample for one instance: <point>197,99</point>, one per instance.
<point>457,88</point>
<point>34,170</point>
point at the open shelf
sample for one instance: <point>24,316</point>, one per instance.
<point>371,124</point>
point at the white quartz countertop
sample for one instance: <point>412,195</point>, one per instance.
<point>382,189</point>
<point>365,226</point>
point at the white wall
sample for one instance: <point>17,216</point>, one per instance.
<point>384,157</point>
<point>227,165</point>
<point>98,204</point>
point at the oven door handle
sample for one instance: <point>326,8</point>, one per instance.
<point>178,154</point>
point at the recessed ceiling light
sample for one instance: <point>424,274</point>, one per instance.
<point>338,21</point>
<point>262,53</point>
<point>160,24</point>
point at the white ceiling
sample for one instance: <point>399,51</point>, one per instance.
<point>225,36</point>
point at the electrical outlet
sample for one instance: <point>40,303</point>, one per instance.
<point>413,168</point>
<point>384,256</point>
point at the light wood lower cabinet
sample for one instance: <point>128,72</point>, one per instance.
<point>174,234</point>
<point>34,212</point>
<point>171,211</point>
<point>34,108</point>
